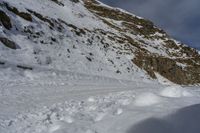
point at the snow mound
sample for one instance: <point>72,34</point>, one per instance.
<point>147,99</point>
<point>175,92</point>
<point>91,99</point>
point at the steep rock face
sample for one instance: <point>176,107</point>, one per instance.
<point>179,63</point>
<point>181,71</point>
<point>88,36</point>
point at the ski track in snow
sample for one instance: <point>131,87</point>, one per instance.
<point>64,107</point>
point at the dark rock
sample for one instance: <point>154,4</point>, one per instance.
<point>75,1</point>
<point>58,2</point>
<point>89,59</point>
<point>39,16</point>
<point>5,20</point>
<point>8,43</point>
<point>2,63</point>
<point>23,15</point>
<point>24,67</point>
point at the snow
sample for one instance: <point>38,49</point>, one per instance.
<point>147,99</point>
<point>175,91</point>
<point>119,111</point>
<point>52,104</point>
<point>181,65</point>
<point>184,120</point>
<point>72,94</point>
<point>91,99</point>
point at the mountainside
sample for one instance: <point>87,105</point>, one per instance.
<point>87,36</point>
<point>75,66</point>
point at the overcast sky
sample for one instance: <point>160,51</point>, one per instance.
<point>180,18</point>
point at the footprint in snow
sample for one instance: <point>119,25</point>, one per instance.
<point>99,117</point>
<point>67,119</point>
<point>57,127</point>
<point>124,102</point>
<point>119,111</point>
<point>61,127</point>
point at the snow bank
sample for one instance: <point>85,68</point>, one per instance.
<point>175,92</point>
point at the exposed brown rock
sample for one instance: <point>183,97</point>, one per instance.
<point>39,16</point>
<point>23,15</point>
<point>168,68</point>
<point>130,22</point>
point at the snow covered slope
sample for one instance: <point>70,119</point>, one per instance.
<point>79,66</point>
<point>86,36</point>
<point>65,38</point>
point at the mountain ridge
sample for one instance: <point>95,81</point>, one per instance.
<point>88,36</point>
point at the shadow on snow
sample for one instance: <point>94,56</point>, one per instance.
<point>185,120</point>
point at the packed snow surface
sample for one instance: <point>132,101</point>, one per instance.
<point>78,103</point>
